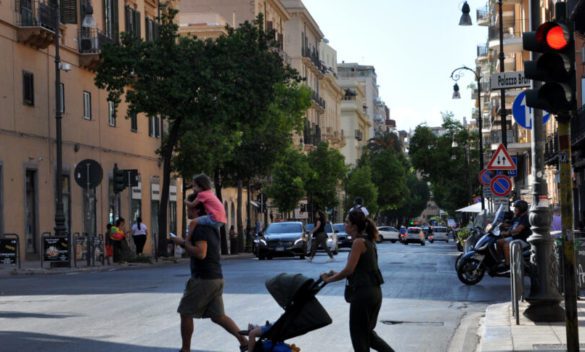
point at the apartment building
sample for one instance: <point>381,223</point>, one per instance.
<point>515,21</point>
<point>91,129</point>
<point>354,120</point>
<point>331,92</point>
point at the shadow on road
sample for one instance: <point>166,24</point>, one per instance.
<point>26,341</point>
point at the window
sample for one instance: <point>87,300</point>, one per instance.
<point>86,105</point>
<point>151,29</point>
<point>28,88</point>
<point>111,19</point>
<point>111,114</point>
<point>133,122</point>
<point>154,126</point>
<point>132,21</point>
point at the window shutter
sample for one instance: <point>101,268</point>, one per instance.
<point>137,33</point>
<point>128,19</point>
<point>115,21</point>
<point>69,11</point>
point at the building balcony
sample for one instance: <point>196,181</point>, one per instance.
<point>483,16</point>
<point>311,134</point>
<point>311,59</point>
<point>91,42</point>
<point>578,128</point>
<point>36,23</point>
<point>482,51</point>
<point>359,135</point>
<point>512,39</point>
<point>318,101</point>
<point>551,148</point>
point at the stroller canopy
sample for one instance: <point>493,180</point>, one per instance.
<point>303,312</point>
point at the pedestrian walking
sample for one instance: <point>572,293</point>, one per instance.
<point>358,204</point>
<point>364,278</point>
<point>203,293</point>
<point>139,234</point>
<point>319,236</point>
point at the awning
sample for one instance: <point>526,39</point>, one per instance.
<point>474,208</point>
<point>255,204</point>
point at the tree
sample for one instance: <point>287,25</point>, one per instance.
<point>168,78</point>
<point>288,187</point>
<point>448,161</point>
<point>359,184</point>
<point>389,176</point>
<point>327,171</point>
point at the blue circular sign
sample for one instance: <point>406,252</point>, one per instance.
<point>501,185</point>
<point>523,114</point>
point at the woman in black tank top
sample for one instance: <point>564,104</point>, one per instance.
<point>364,277</point>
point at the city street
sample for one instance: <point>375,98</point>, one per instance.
<point>135,309</point>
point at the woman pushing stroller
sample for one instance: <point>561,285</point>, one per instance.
<point>364,280</point>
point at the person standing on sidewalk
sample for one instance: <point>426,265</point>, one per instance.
<point>364,279</point>
<point>203,293</point>
<point>139,233</point>
<point>319,236</point>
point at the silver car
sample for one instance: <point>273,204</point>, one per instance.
<point>440,233</point>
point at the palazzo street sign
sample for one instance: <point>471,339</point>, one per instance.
<point>506,80</point>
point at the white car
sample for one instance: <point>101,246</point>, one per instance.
<point>331,237</point>
<point>388,233</point>
<point>440,233</point>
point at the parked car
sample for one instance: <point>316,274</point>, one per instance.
<point>388,233</point>
<point>440,233</point>
<point>413,234</point>
<point>331,237</point>
<point>281,239</point>
<point>343,239</point>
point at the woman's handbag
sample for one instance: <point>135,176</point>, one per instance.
<point>348,292</point>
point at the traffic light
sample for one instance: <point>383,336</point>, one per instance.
<point>555,65</point>
<point>119,179</point>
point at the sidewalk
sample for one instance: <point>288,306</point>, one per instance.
<point>499,332</point>
<point>34,267</point>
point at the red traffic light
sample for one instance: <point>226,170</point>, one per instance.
<point>557,37</point>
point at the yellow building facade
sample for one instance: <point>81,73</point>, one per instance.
<point>90,127</point>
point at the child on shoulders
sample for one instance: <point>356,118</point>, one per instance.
<point>213,207</point>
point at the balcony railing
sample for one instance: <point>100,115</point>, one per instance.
<point>313,55</point>
<point>483,16</point>
<point>317,99</point>
<point>312,134</point>
<point>91,41</point>
<point>37,23</point>
<point>482,50</point>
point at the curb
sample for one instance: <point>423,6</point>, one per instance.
<point>29,271</point>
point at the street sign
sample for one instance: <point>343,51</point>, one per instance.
<point>500,200</point>
<point>501,160</point>
<point>487,193</point>
<point>514,173</point>
<point>505,80</point>
<point>523,114</point>
<point>88,173</point>
<point>501,185</point>
<point>485,176</point>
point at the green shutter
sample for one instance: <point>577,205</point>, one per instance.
<point>68,11</point>
<point>137,24</point>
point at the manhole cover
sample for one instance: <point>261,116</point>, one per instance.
<point>425,323</point>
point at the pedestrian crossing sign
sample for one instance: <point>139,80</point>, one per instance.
<point>501,160</point>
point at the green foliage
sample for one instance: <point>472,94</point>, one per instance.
<point>327,171</point>
<point>359,184</point>
<point>287,187</point>
<point>389,175</point>
<point>450,167</point>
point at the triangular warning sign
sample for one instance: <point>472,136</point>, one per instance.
<point>501,160</point>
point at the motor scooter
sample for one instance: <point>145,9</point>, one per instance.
<point>483,255</point>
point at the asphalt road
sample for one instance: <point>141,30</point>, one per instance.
<point>135,309</point>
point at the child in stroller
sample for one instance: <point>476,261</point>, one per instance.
<point>302,313</point>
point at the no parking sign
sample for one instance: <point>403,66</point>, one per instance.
<point>501,185</point>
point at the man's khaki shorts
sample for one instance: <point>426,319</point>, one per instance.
<point>202,298</point>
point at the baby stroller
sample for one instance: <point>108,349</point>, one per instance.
<point>302,311</point>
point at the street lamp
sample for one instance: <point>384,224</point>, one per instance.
<point>455,75</point>
<point>60,228</point>
<point>466,21</point>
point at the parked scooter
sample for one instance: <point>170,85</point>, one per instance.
<point>484,256</point>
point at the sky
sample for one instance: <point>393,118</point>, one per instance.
<point>413,45</point>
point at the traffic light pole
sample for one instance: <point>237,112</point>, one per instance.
<point>544,298</point>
